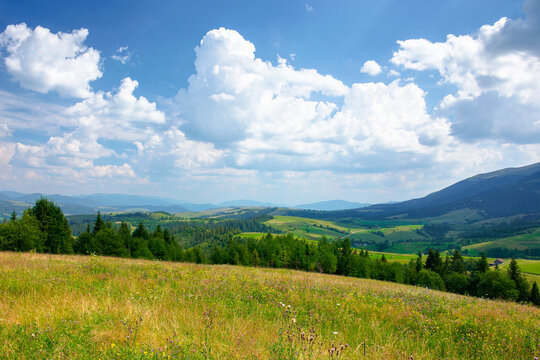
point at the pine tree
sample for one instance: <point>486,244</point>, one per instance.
<point>256,259</point>
<point>514,273</point>
<point>99,224</point>
<point>482,264</point>
<point>535,295</point>
<point>434,261</point>
<point>419,262</point>
<point>457,264</point>
<point>54,226</point>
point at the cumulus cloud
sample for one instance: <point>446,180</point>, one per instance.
<point>116,116</point>
<point>234,95</point>
<point>244,124</point>
<point>494,71</point>
<point>120,115</point>
<point>273,117</point>
<point>122,55</point>
<point>309,8</point>
<point>371,67</point>
<point>42,61</point>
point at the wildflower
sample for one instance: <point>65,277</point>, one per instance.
<point>335,333</point>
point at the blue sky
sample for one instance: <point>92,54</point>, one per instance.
<point>281,101</point>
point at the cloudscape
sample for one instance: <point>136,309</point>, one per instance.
<point>290,102</point>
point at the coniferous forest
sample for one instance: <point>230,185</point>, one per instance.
<point>44,228</point>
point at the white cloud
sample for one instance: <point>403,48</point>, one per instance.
<point>371,67</point>
<point>42,61</point>
<point>248,126</point>
<point>234,95</point>
<point>309,8</point>
<point>122,55</point>
<point>496,73</point>
<point>277,117</point>
<point>25,112</point>
<point>123,170</point>
<point>4,130</point>
<point>172,148</point>
<point>120,115</point>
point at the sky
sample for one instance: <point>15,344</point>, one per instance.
<point>280,101</point>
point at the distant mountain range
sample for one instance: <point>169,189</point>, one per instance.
<point>331,205</point>
<point>502,193</point>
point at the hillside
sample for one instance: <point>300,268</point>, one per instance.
<point>497,194</point>
<point>331,205</point>
<point>87,307</point>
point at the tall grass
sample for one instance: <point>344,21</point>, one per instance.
<point>76,307</point>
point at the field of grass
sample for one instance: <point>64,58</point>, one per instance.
<point>315,229</point>
<point>402,258</point>
<point>253,235</point>
<point>530,268</point>
<point>309,228</point>
<point>530,239</point>
<point>67,307</point>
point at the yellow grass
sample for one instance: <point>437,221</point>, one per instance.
<point>64,307</point>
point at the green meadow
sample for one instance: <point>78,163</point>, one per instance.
<point>89,307</point>
<point>365,231</point>
<point>530,239</point>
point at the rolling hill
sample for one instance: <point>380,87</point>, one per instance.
<point>331,205</point>
<point>90,307</point>
<point>503,193</point>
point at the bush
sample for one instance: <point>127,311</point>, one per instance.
<point>429,279</point>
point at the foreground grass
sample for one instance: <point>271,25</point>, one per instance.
<point>58,307</point>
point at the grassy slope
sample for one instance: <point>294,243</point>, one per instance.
<point>523,241</point>
<point>54,307</point>
<point>315,229</point>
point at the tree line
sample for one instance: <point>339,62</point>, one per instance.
<point>43,228</point>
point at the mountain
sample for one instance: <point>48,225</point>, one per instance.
<point>331,205</point>
<point>246,203</point>
<point>502,193</point>
<point>116,200</point>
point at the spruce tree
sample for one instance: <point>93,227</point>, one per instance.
<point>419,262</point>
<point>482,264</point>
<point>99,224</point>
<point>535,295</point>
<point>54,226</point>
<point>434,261</point>
<point>514,273</point>
<point>457,264</point>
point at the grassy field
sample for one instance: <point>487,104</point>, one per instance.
<point>74,307</point>
<point>530,239</point>
<point>402,258</point>
<point>315,229</point>
<point>309,228</point>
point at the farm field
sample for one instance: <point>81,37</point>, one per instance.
<point>88,307</point>
<point>315,229</point>
<point>531,239</point>
<point>309,228</point>
<point>529,268</point>
<point>402,258</point>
